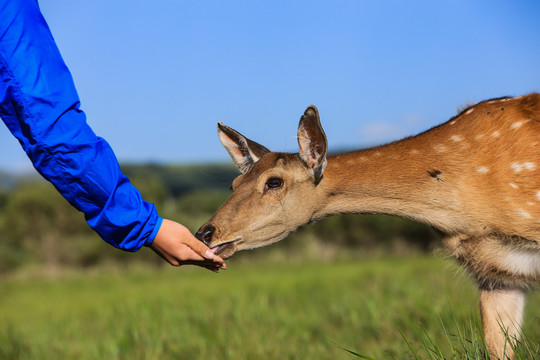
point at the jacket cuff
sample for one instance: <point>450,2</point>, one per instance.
<point>153,235</point>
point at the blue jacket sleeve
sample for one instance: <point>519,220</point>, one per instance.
<point>40,106</point>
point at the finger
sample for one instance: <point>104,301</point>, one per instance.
<point>214,268</point>
<point>204,251</point>
<point>204,263</point>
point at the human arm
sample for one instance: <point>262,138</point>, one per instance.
<point>41,107</point>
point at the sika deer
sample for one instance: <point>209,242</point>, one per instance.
<point>475,177</point>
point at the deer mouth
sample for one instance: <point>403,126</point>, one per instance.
<point>225,250</point>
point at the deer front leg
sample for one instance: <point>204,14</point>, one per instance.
<point>502,315</point>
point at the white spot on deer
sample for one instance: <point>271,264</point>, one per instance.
<point>469,111</point>
<point>516,125</point>
<point>362,158</point>
<point>538,195</point>
<point>530,203</point>
<point>453,122</point>
<point>525,214</point>
<point>479,137</point>
<point>495,134</point>
<point>378,153</point>
<point>482,170</point>
<point>415,152</point>
<point>440,148</point>
<point>524,166</point>
<point>456,138</point>
<point>514,186</point>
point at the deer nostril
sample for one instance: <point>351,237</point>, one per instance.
<point>205,233</point>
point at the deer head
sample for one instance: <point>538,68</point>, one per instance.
<point>275,193</point>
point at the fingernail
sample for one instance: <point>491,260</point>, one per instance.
<point>209,254</point>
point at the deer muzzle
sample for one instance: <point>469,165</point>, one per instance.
<point>225,249</point>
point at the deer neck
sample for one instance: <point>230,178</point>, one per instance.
<point>395,179</point>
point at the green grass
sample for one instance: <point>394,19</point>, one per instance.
<point>379,309</point>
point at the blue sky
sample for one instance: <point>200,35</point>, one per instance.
<point>156,76</point>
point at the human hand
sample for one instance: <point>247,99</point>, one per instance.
<point>175,243</point>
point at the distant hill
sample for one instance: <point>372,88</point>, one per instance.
<point>182,179</point>
<point>10,181</point>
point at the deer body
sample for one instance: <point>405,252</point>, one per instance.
<point>459,177</point>
<point>475,177</point>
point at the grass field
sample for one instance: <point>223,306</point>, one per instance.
<point>374,307</point>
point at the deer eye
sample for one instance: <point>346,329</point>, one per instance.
<point>273,183</point>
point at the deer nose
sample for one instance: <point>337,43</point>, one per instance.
<point>205,233</point>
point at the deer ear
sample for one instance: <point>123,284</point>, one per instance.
<point>244,152</point>
<point>312,142</point>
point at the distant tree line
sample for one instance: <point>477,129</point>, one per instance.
<point>39,228</point>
